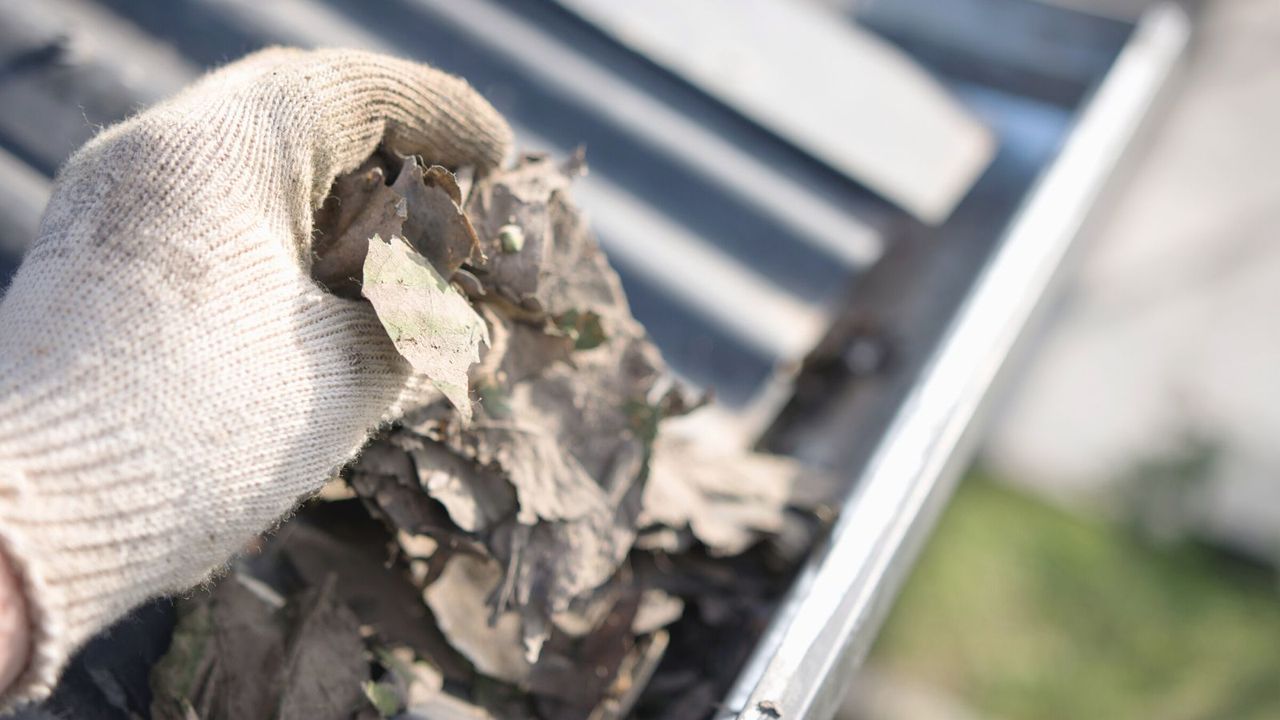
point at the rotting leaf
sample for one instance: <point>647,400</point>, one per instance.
<point>240,655</point>
<point>324,665</point>
<point>583,328</point>
<point>432,325</point>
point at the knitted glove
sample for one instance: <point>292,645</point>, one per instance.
<point>171,380</point>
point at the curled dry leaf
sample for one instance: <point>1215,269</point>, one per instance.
<point>558,267</point>
<point>359,207</point>
<point>476,497</point>
<point>435,224</point>
<point>550,484</point>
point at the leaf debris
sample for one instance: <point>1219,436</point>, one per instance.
<point>546,532</point>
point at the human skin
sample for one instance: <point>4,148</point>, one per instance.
<point>15,626</point>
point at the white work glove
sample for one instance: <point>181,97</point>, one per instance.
<point>172,382</point>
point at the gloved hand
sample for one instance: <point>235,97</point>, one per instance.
<point>171,380</point>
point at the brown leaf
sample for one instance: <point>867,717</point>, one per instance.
<point>549,483</point>
<point>385,478</point>
<point>244,652</point>
<point>383,599</point>
<point>558,267</point>
<point>729,501</point>
<point>475,496</point>
<point>657,610</point>
<point>458,599</point>
<point>436,225</point>
<point>359,206</point>
<point>324,664</point>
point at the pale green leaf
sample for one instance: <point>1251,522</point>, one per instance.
<point>432,325</point>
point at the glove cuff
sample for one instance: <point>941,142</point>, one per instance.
<point>76,574</point>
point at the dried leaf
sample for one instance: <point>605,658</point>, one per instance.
<point>518,352</point>
<point>237,655</point>
<point>521,526</point>
<point>728,501</point>
<point>559,267</point>
<point>549,483</point>
<point>566,560</point>
<point>324,666</point>
<point>436,225</point>
<point>657,610</point>
<point>602,652</point>
<point>458,600</point>
<point>383,600</point>
<point>359,206</point>
<point>439,176</point>
<point>401,503</point>
<point>475,496</point>
<point>632,678</point>
<point>432,325</point>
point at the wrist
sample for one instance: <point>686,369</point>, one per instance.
<point>15,624</point>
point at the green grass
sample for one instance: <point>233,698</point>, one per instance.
<point>1025,611</point>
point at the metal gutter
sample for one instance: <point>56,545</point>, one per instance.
<point>830,617</point>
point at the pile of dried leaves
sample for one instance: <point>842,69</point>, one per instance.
<point>519,545</point>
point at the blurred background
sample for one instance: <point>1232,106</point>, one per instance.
<point>1114,552</point>
<point>800,195</point>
